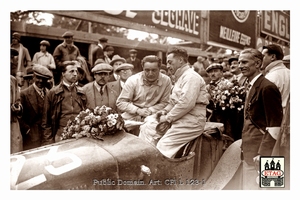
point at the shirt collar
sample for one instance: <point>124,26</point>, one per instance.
<point>37,88</point>
<point>98,87</point>
<point>181,70</point>
<point>272,65</point>
<point>145,82</point>
<point>254,79</point>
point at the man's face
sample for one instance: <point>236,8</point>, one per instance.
<point>69,39</point>
<point>20,79</point>
<point>70,75</point>
<point>151,71</point>
<point>234,67</point>
<point>117,63</point>
<point>248,66</point>
<point>133,55</point>
<point>174,63</point>
<point>39,81</point>
<point>268,58</point>
<point>124,74</point>
<point>215,74</point>
<point>15,41</point>
<point>101,78</point>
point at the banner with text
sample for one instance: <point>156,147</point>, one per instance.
<point>180,21</point>
<point>234,28</point>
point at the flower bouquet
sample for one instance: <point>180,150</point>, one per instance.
<point>227,95</point>
<point>94,123</point>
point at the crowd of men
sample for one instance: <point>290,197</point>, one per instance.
<point>49,90</point>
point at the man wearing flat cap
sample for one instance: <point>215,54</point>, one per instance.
<point>275,71</point>
<point>98,52</point>
<point>101,92</point>
<point>65,51</point>
<point>63,103</point>
<point>115,62</point>
<point>123,71</point>
<point>136,62</point>
<point>32,99</point>
<point>23,58</point>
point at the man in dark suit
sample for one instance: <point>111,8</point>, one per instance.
<point>132,59</point>
<point>32,99</point>
<point>262,117</point>
<point>98,51</point>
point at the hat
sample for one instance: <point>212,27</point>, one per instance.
<point>42,71</point>
<point>275,49</point>
<point>103,39</point>
<point>68,34</point>
<point>116,58</point>
<point>29,73</point>
<point>16,35</point>
<point>132,51</point>
<point>13,52</point>
<point>99,60</point>
<point>45,42</point>
<point>124,66</point>
<point>102,67</point>
<point>232,59</point>
<point>214,66</point>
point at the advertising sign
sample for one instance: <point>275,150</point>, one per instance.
<point>180,21</point>
<point>234,28</point>
<point>276,24</point>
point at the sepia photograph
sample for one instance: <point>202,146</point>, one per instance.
<point>149,100</point>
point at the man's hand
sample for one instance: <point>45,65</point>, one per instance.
<point>16,107</point>
<point>145,112</point>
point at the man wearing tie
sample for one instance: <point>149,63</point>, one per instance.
<point>262,117</point>
<point>32,99</point>
<point>101,92</point>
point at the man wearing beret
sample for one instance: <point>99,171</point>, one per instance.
<point>65,51</point>
<point>101,92</point>
<point>63,103</point>
<point>24,59</point>
<point>32,99</point>
<point>136,62</point>
<point>98,51</point>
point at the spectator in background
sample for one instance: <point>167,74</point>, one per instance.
<point>115,62</point>
<point>63,103</point>
<point>20,80</point>
<point>66,51</point>
<point>199,65</point>
<point>108,51</point>
<point>136,62</point>
<point>123,71</point>
<point>236,71</point>
<point>98,52</point>
<point>16,141</point>
<point>32,100</point>
<point>286,61</point>
<point>23,57</point>
<point>13,61</point>
<point>44,58</point>
<point>101,92</point>
<point>275,71</point>
<point>28,78</point>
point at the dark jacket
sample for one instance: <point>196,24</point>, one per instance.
<point>52,111</point>
<point>97,53</point>
<point>137,65</point>
<point>263,107</point>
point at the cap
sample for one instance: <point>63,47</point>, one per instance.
<point>132,51</point>
<point>42,71</point>
<point>68,34</point>
<point>16,35</point>
<point>103,39</point>
<point>102,67</point>
<point>45,42</point>
<point>116,58</point>
<point>29,73</point>
<point>275,49</point>
<point>214,66</point>
<point>232,59</point>
<point>123,66</point>
<point>13,52</point>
